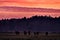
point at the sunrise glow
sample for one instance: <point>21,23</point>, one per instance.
<point>54,4</point>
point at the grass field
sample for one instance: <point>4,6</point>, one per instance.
<point>22,36</point>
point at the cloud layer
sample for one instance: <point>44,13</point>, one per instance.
<point>19,12</point>
<point>32,3</point>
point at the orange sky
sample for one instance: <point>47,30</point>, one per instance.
<point>55,4</point>
<point>32,3</point>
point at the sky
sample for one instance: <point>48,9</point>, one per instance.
<point>32,3</point>
<point>54,4</point>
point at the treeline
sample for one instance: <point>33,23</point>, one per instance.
<point>34,23</point>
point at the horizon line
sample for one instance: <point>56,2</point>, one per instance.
<point>30,17</point>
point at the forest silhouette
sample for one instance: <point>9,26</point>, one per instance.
<point>33,24</point>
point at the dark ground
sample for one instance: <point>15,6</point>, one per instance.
<point>43,36</point>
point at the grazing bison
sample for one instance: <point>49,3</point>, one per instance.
<point>25,33</point>
<point>17,33</point>
<point>29,32</point>
<point>46,33</point>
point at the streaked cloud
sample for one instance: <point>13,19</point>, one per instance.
<point>25,9</point>
<point>32,3</point>
<point>19,12</point>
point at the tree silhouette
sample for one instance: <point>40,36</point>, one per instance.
<point>34,23</point>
